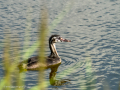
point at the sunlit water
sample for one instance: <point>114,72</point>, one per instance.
<point>92,25</point>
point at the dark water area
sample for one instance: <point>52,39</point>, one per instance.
<point>92,25</point>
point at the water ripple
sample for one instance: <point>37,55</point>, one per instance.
<point>93,26</point>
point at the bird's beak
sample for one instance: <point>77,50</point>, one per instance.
<point>64,40</point>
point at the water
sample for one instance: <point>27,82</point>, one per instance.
<point>92,25</point>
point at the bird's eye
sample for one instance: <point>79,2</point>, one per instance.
<point>61,38</point>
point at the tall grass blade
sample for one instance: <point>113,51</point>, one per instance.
<point>6,59</point>
<point>43,30</point>
<point>89,75</point>
<point>2,84</point>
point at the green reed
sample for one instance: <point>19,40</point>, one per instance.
<point>6,57</point>
<point>43,30</point>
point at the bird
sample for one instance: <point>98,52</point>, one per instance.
<point>51,60</point>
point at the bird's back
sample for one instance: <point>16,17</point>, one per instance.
<point>34,64</point>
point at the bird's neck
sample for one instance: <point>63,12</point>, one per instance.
<point>53,50</point>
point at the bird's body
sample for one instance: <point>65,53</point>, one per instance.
<point>33,63</point>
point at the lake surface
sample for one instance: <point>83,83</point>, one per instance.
<point>92,25</point>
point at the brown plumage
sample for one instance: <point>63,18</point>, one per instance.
<point>53,59</point>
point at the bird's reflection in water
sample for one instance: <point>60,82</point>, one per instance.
<point>53,80</point>
<point>52,76</point>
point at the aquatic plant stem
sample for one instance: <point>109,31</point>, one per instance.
<point>42,37</point>
<point>7,62</point>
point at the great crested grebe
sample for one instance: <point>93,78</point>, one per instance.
<point>53,59</point>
